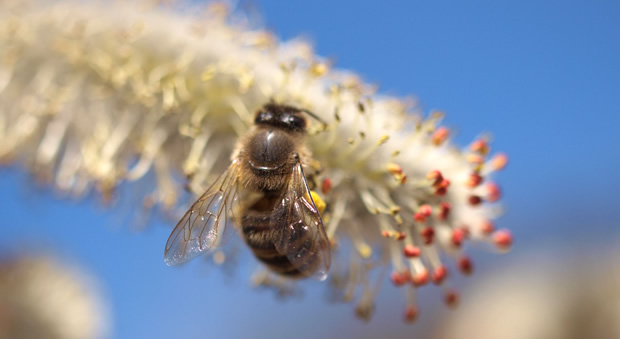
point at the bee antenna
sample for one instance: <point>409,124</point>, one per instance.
<point>316,117</point>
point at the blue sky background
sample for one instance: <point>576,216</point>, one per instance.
<point>542,76</point>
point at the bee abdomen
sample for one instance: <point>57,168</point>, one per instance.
<point>278,263</point>
<point>259,236</point>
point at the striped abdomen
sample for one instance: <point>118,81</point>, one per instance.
<point>261,226</point>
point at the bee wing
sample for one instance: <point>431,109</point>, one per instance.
<point>203,225</point>
<point>303,239</point>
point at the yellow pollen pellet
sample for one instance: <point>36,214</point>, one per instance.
<point>320,204</point>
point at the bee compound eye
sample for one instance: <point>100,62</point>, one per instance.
<point>295,122</point>
<point>264,116</point>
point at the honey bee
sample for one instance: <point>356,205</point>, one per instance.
<point>266,187</point>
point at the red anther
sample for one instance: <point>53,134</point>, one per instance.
<point>411,313</point>
<point>465,265</point>
<point>457,237</point>
<point>465,229</point>
<point>475,200</point>
<point>402,178</point>
<point>439,275</point>
<point>400,235</point>
<point>419,217</point>
<point>444,210</point>
<point>426,210</point>
<point>442,187</point>
<point>451,298</point>
<point>407,276</point>
<point>411,251</point>
<point>398,279</point>
<point>440,135</point>
<point>394,169</point>
<point>326,185</point>
<point>420,278</point>
<point>494,193</point>
<point>435,176</point>
<point>473,180</point>
<point>502,239</point>
<point>487,227</point>
<point>499,161</point>
<point>479,146</point>
<point>427,235</point>
<point>385,234</point>
<point>475,159</point>
<point>444,183</point>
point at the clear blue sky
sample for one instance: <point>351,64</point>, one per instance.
<point>542,76</point>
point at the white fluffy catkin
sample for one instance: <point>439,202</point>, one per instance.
<point>93,94</point>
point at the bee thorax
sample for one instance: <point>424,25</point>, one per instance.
<point>269,150</point>
<point>268,157</point>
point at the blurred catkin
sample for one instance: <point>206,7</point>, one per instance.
<point>569,296</point>
<point>94,94</point>
<point>41,297</point>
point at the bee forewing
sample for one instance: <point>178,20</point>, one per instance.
<point>303,239</point>
<point>204,224</point>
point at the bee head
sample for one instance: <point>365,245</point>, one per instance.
<point>287,118</point>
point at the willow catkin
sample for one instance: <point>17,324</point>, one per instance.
<point>94,94</point>
<point>42,297</point>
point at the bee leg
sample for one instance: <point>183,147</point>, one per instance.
<point>283,287</point>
